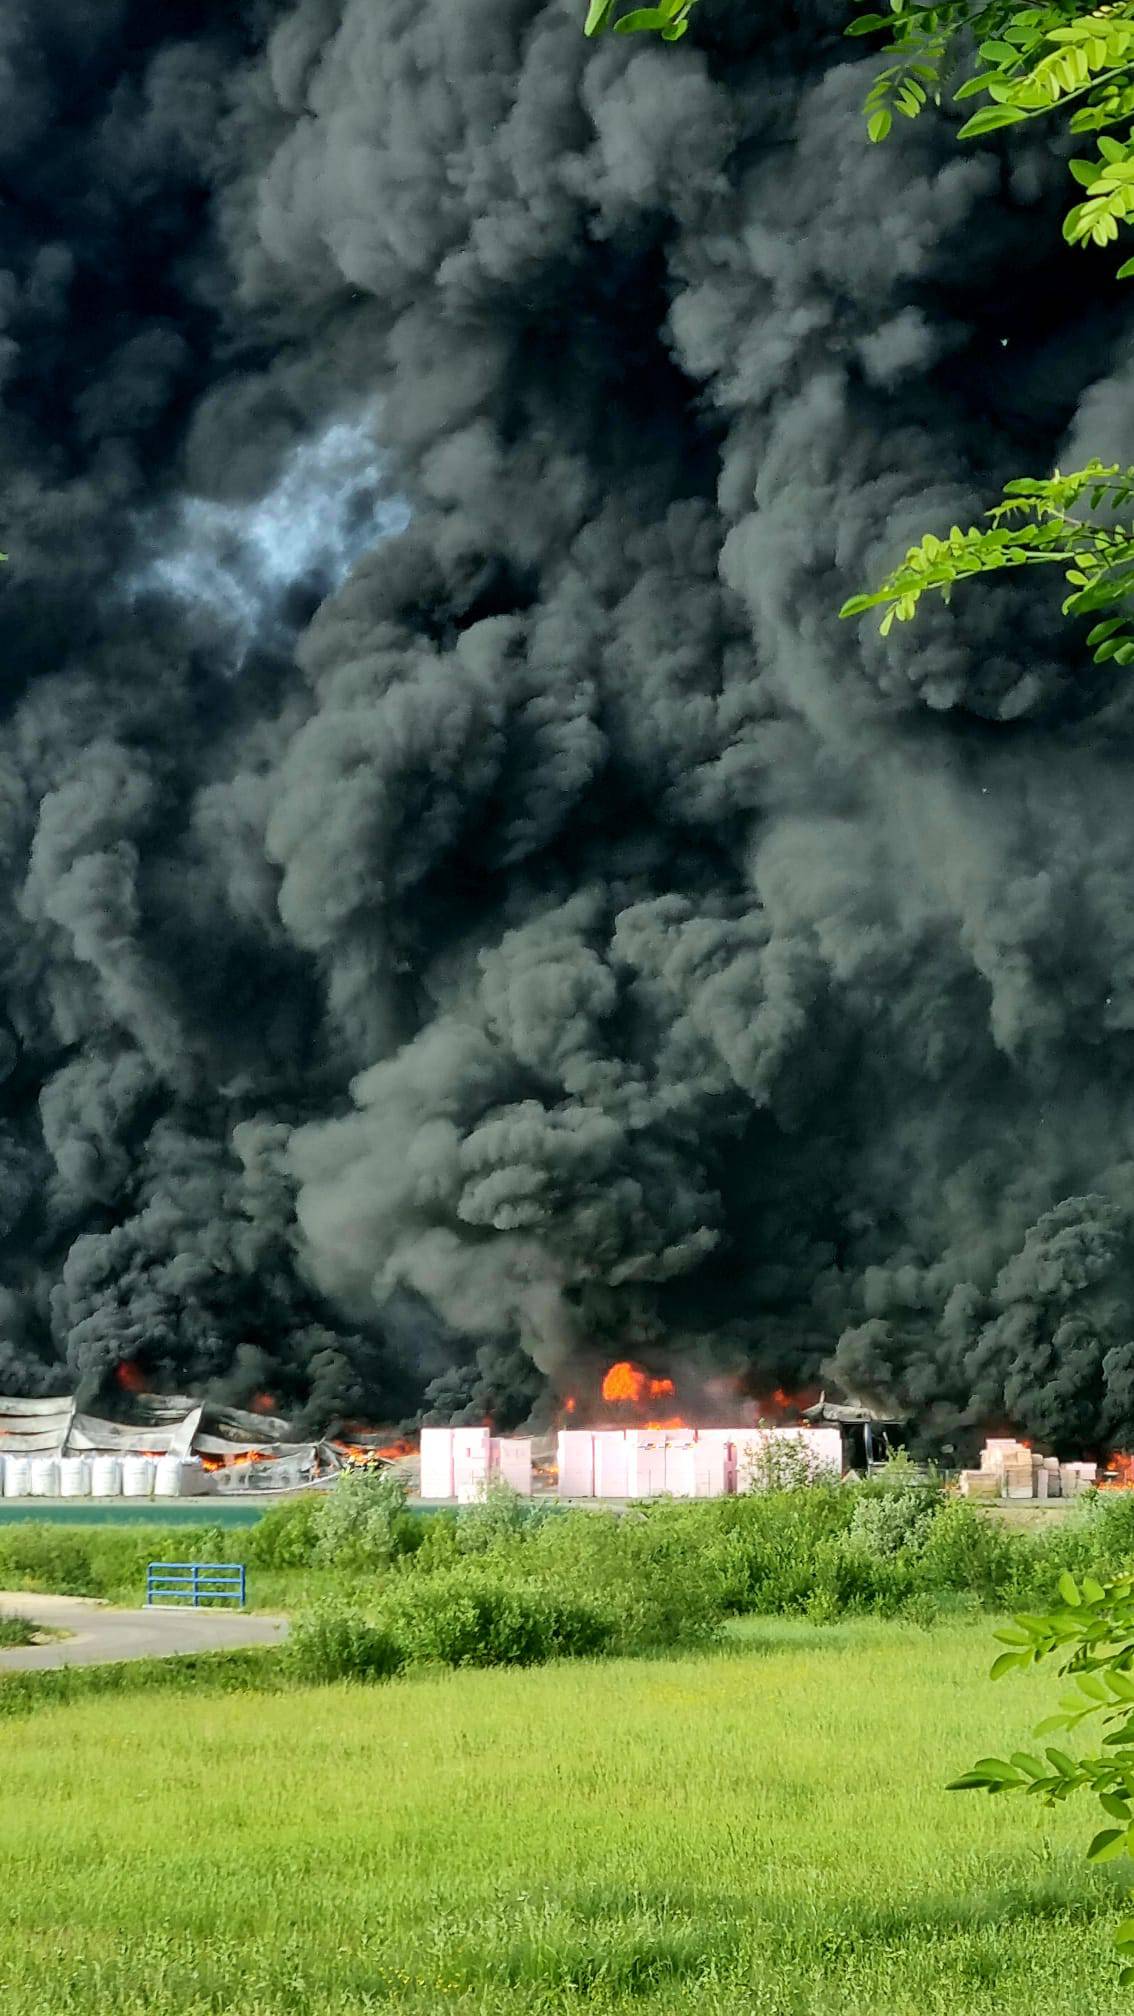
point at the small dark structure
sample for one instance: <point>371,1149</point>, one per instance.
<point>868,1437</point>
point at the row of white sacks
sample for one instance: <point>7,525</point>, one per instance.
<point>458,1463</point>
<point>102,1476</point>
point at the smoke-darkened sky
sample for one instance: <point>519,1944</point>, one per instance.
<point>467,907</point>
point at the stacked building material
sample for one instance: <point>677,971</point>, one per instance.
<point>984,1485</point>
<point>685,1462</point>
<point>460,1463</point>
<point>1010,1469</point>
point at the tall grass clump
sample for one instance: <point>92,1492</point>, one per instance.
<point>16,1631</point>
<point>333,1641</point>
<point>645,1569</point>
<point>480,1616</point>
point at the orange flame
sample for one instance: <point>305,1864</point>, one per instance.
<point>628,1382</point>
<point>570,1404</point>
<point>263,1403</point>
<point>363,1454</point>
<point>1119,1473</point>
<point>236,1462</point>
<point>131,1378</point>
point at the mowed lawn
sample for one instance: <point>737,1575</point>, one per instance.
<point>760,1830</point>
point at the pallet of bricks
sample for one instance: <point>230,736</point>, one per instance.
<point>1009,1469</point>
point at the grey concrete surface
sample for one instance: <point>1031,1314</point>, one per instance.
<point>100,1635</point>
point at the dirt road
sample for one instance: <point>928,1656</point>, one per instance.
<point>100,1635</point>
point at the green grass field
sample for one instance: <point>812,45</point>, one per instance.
<point>762,1829</point>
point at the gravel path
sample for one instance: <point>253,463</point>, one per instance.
<point>100,1635</point>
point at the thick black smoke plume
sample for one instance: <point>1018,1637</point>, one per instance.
<point>468,908</point>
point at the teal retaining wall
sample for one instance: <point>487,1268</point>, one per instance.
<point>131,1511</point>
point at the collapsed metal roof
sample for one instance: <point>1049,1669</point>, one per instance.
<point>851,1414</point>
<point>156,1425</point>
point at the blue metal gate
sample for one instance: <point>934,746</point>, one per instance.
<point>195,1582</point>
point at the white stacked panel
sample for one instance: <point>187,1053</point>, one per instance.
<point>612,1474</point>
<point>681,1467</point>
<point>1076,1477</point>
<point>44,1477</point>
<point>437,1463</point>
<point>576,1453</point>
<point>472,1463</point>
<point>678,1469</point>
<point>714,1469</point>
<point>999,1451</point>
<point>645,1451</point>
<point>512,1463</point>
<point>983,1484</point>
<point>750,1447</point>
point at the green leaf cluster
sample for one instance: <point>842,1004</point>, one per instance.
<point>1038,522</point>
<point>1033,60</point>
<point>1091,1634</point>
<point>669,19</point>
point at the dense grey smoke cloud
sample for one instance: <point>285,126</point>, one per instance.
<point>468,908</point>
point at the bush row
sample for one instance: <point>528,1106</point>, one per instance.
<point>458,1617</point>
<point>508,1581</point>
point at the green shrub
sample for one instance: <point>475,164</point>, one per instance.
<point>763,1546</point>
<point>288,1534</point>
<point>472,1616</point>
<point>967,1550</point>
<point>16,1630</point>
<point>331,1641</point>
<point>363,1521</point>
<point>106,1561</point>
<point>892,1518</point>
<point>662,1575</point>
<point>777,1466</point>
<point>647,1570</point>
<point>499,1514</point>
<point>1103,1524</point>
<point>440,1544</point>
<point>846,1579</point>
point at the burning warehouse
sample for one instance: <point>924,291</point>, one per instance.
<point>629,1442</point>
<point>626,1440</point>
<point>166,1446</point>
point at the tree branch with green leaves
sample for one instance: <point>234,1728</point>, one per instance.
<point>669,19</point>
<point>1091,1635</point>
<point>1039,523</point>
<point>1034,61</point>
